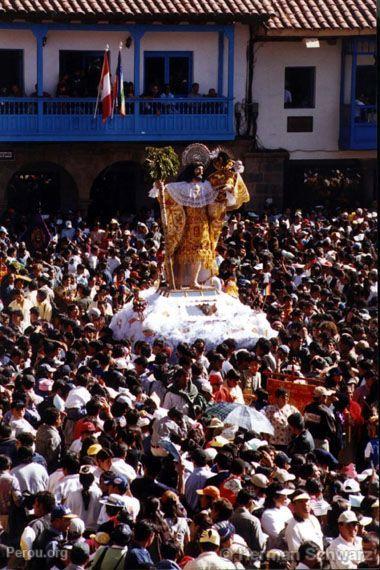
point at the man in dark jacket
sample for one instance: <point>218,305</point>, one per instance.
<point>302,441</point>
<point>320,419</point>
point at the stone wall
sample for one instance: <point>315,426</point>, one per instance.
<point>264,176</point>
<point>264,171</point>
<point>84,161</point>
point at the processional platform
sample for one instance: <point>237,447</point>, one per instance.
<point>183,315</point>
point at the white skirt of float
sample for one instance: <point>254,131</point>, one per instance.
<point>188,314</point>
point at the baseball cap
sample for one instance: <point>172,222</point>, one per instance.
<point>350,486</point>
<point>284,348</point>
<point>121,482</point>
<point>225,529</point>
<point>260,480</point>
<point>94,449</point>
<point>210,535</point>
<point>62,512</point>
<point>322,391</point>
<point>209,491</point>
<point>283,476</point>
<point>282,459</point>
<point>348,517</point>
<point>114,500</point>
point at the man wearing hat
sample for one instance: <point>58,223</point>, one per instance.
<point>208,495</point>
<point>346,551</point>
<point>51,538</point>
<point>209,559</point>
<point>320,420</point>
<point>303,526</point>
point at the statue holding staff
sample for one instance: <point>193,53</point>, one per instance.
<point>193,211</point>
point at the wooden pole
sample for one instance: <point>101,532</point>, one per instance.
<point>168,258</point>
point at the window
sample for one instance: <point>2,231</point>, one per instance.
<point>366,84</point>
<point>79,73</point>
<point>168,68</point>
<point>12,72</point>
<point>300,124</point>
<point>299,87</point>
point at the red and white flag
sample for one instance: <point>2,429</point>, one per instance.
<point>105,88</point>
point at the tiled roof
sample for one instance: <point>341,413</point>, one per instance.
<point>323,14</point>
<point>282,14</point>
<point>136,8</point>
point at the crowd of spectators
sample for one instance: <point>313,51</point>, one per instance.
<point>85,477</point>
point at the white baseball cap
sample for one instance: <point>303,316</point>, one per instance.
<point>351,486</point>
<point>260,480</point>
<point>348,517</point>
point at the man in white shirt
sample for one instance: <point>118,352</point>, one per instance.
<point>209,558</point>
<point>31,476</point>
<point>303,526</point>
<point>70,481</point>
<point>346,550</point>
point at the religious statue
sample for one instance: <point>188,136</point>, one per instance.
<point>193,211</point>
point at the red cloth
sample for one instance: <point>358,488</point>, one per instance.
<point>223,395</point>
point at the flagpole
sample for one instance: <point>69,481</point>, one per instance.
<point>117,79</point>
<point>100,80</point>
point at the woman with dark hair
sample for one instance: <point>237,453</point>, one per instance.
<point>151,512</point>
<point>276,512</point>
<point>85,501</point>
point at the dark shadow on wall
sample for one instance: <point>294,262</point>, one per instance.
<point>117,191</point>
<point>44,186</point>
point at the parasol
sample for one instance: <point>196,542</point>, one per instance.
<point>250,419</point>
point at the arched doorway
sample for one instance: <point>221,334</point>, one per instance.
<point>116,190</point>
<point>42,185</point>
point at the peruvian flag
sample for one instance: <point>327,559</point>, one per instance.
<point>105,88</point>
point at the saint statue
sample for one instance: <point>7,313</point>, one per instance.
<point>193,211</point>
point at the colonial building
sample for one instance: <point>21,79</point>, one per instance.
<point>285,85</point>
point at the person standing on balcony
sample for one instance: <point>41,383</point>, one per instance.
<point>194,91</point>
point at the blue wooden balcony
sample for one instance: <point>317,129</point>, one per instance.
<point>67,119</point>
<point>359,127</point>
<point>358,113</point>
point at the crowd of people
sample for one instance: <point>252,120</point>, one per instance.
<point>85,84</point>
<point>109,456</point>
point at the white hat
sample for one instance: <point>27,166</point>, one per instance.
<point>114,500</point>
<point>320,507</point>
<point>254,444</point>
<point>322,391</point>
<point>210,453</point>
<point>77,526</point>
<point>285,491</point>
<point>283,476</point>
<point>260,480</point>
<point>351,486</point>
<point>301,497</point>
<point>348,517</point>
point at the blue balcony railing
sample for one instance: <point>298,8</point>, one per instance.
<point>359,127</point>
<point>68,119</point>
